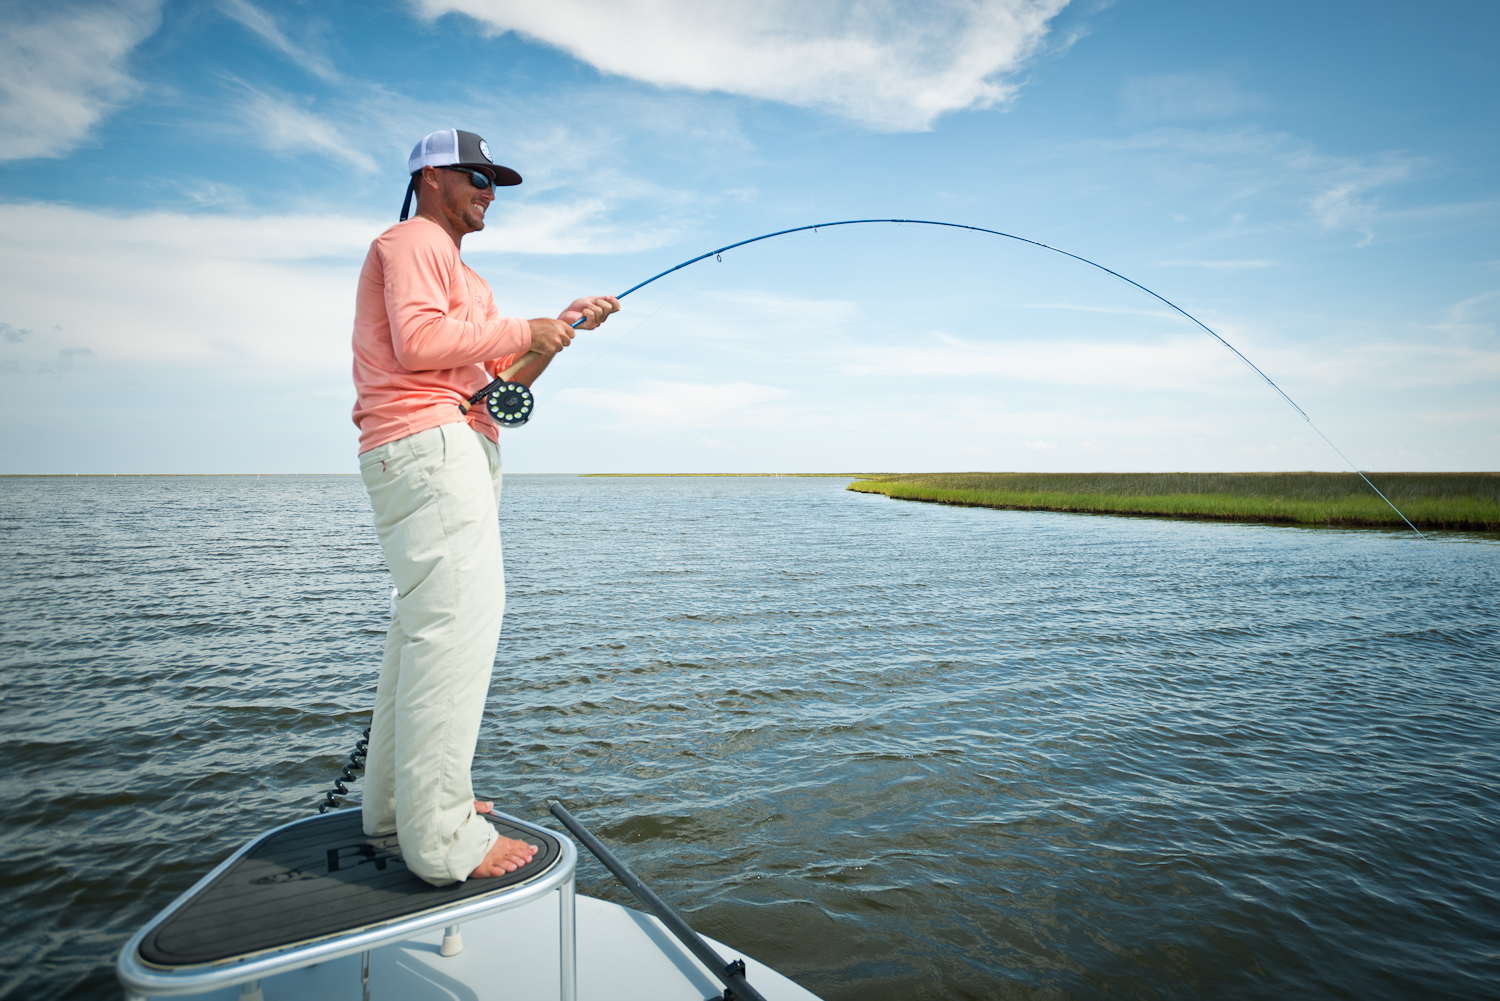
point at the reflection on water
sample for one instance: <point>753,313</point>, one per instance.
<point>896,750</point>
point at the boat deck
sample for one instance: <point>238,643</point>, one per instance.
<point>316,879</point>
<point>316,911</point>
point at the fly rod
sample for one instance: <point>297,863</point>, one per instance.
<point>731,975</point>
<point>511,404</point>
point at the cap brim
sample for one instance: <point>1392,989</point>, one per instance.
<point>501,176</point>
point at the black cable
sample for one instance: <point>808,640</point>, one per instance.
<point>356,763</point>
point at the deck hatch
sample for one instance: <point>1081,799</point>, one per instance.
<point>311,880</point>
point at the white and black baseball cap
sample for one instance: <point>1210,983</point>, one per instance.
<point>454,148</point>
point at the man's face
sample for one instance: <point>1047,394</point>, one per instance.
<point>463,204</point>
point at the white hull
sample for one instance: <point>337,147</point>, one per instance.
<point>623,955</point>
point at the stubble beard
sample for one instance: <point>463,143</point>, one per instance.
<point>473,217</point>
<point>463,213</point>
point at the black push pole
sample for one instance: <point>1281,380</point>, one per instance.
<point>736,987</point>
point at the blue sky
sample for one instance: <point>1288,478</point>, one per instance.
<point>188,191</point>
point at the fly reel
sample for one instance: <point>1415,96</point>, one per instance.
<point>509,403</point>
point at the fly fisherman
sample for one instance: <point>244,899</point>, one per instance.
<point>427,336</point>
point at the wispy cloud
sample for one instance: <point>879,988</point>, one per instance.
<point>245,290</point>
<point>1390,365</point>
<point>1346,202</point>
<point>672,402</point>
<point>63,69</point>
<point>1171,97</point>
<point>1220,265</point>
<point>583,226</point>
<point>1466,309</point>
<point>204,193</point>
<point>67,358</point>
<point>1111,310</point>
<point>284,125</point>
<point>1473,319</point>
<point>1273,171</point>
<point>370,128</point>
<point>270,31</point>
<point>1172,363</point>
<point>1197,365</point>
<point>890,64</point>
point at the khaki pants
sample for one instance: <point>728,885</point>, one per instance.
<point>436,497</point>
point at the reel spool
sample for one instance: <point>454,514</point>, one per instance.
<point>509,403</point>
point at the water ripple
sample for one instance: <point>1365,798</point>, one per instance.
<point>899,751</point>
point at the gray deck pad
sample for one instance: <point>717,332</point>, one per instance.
<point>311,880</point>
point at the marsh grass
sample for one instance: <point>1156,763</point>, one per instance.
<point>1468,501</point>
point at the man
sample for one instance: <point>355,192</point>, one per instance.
<point>427,336</point>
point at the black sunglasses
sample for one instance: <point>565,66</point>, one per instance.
<point>478,178</point>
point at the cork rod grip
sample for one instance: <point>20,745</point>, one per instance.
<point>518,364</point>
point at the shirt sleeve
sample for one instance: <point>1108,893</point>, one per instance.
<point>419,278</point>
<point>497,365</point>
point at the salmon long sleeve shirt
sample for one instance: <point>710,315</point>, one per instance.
<point>427,336</point>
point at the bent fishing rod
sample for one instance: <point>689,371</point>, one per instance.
<point>511,403</point>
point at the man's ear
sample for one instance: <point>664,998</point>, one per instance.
<point>430,178</point>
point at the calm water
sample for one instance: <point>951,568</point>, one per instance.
<point>896,750</point>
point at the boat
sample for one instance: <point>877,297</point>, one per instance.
<point>316,910</point>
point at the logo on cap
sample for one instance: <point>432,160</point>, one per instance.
<point>484,149</point>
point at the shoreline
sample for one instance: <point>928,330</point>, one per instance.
<point>1445,501</point>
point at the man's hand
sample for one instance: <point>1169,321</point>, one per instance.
<point>549,336</point>
<point>594,309</point>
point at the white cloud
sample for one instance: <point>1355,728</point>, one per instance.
<point>1178,96</point>
<point>1220,265</point>
<point>198,289</point>
<point>674,402</point>
<point>283,125</point>
<point>266,26</point>
<point>890,64</point>
<point>168,288</point>
<point>1344,203</point>
<point>1251,167</point>
<point>577,227</point>
<point>1467,311</point>
<point>66,359</point>
<point>204,193</point>
<point>62,70</point>
<point>370,128</point>
<point>787,313</point>
<point>1108,310</point>
<point>1190,363</point>
<point>1171,363</point>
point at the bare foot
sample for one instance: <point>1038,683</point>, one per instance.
<point>505,855</point>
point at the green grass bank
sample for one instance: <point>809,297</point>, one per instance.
<point>1460,501</point>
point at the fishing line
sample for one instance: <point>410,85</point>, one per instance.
<point>601,354</point>
<point>496,392</point>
